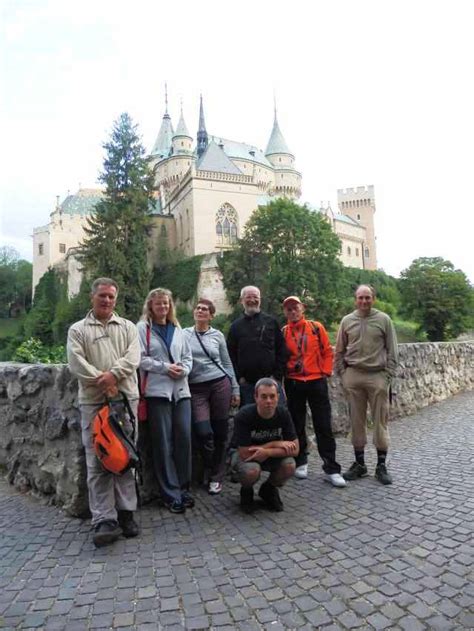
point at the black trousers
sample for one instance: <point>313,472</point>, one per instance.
<point>315,393</point>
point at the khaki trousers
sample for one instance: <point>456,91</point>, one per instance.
<point>367,387</point>
<point>108,493</point>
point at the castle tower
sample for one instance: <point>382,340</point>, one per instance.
<point>182,141</point>
<point>287,178</point>
<point>202,138</point>
<point>162,146</point>
<point>359,204</point>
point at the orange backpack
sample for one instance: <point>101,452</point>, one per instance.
<point>115,450</point>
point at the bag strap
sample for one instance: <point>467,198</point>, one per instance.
<point>211,358</point>
<point>142,386</point>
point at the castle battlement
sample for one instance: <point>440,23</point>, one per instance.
<point>356,192</point>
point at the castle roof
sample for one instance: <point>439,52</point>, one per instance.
<point>346,219</point>
<point>242,151</point>
<point>81,203</point>
<point>162,145</point>
<point>214,159</point>
<point>276,144</point>
<point>181,129</point>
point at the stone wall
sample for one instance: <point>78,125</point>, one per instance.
<point>40,439</point>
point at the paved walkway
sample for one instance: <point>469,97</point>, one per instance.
<point>365,557</point>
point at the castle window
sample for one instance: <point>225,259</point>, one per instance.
<point>366,253</point>
<point>163,232</point>
<point>40,249</point>
<point>62,248</point>
<point>226,225</point>
<point>348,251</point>
<point>358,216</point>
<point>357,251</point>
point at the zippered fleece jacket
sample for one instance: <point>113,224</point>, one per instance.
<point>367,342</point>
<point>204,368</point>
<point>310,352</point>
<point>156,362</point>
<point>94,348</point>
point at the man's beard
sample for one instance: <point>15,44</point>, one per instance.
<point>251,310</point>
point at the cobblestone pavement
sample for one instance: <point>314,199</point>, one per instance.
<point>364,557</point>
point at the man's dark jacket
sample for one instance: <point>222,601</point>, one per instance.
<point>256,347</point>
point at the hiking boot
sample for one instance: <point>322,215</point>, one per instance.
<point>187,499</point>
<point>271,496</point>
<point>175,506</point>
<point>301,472</point>
<point>335,479</point>
<point>355,471</point>
<point>382,475</point>
<point>127,523</point>
<point>214,488</point>
<point>246,499</point>
<point>105,532</point>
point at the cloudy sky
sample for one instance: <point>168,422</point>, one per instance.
<point>368,91</point>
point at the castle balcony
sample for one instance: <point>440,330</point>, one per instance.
<point>224,177</point>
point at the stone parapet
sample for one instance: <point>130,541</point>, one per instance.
<point>40,437</point>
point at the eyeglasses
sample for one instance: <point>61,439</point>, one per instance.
<point>201,308</point>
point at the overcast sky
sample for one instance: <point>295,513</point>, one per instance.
<point>368,92</point>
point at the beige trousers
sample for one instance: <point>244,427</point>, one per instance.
<point>367,387</point>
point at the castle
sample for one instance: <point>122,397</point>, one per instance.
<point>205,194</point>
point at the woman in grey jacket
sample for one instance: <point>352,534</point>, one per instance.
<point>166,358</point>
<point>214,388</point>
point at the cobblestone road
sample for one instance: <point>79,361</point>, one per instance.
<point>364,557</point>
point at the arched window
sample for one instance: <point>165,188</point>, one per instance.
<point>227,225</point>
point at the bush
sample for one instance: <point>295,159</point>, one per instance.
<point>33,351</point>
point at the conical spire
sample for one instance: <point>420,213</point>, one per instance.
<point>162,145</point>
<point>181,129</point>
<point>277,143</point>
<point>202,138</point>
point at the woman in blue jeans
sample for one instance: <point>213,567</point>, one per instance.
<point>166,361</point>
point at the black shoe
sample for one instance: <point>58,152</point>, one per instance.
<point>382,475</point>
<point>175,506</point>
<point>246,499</point>
<point>187,499</point>
<point>355,471</point>
<point>271,496</point>
<point>105,532</point>
<point>128,525</point>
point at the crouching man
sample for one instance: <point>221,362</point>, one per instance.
<point>266,440</point>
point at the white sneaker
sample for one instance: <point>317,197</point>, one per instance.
<point>214,488</point>
<point>335,479</point>
<point>301,472</point>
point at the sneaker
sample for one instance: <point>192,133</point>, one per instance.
<point>382,475</point>
<point>301,472</point>
<point>246,499</point>
<point>128,525</point>
<point>175,506</point>
<point>355,471</point>
<point>187,499</point>
<point>271,496</point>
<point>214,488</point>
<point>105,532</point>
<point>335,479</point>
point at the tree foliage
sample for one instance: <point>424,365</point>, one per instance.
<point>437,296</point>
<point>39,321</point>
<point>116,236</point>
<point>15,282</point>
<point>287,249</point>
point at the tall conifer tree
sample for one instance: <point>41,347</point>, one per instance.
<point>116,236</point>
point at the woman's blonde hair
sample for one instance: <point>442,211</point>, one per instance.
<point>147,314</point>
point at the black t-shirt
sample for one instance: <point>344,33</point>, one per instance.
<point>251,429</point>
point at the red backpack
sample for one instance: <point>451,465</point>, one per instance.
<point>115,450</point>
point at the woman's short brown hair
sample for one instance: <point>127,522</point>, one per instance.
<point>208,303</point>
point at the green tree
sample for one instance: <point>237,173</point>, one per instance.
<point>39,321</point>
<point>287,249</point>
<point>439,297</point>
<point>116,236</point>
<point>15,281</point>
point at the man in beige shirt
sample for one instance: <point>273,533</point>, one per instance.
<point>103,353</point>
<point>366,360</point>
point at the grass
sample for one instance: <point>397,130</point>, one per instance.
<point>9,327</point>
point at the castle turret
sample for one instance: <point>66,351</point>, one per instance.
<point>162,146</point>
<point>359,204</point>
<point>287,179</point>
<point>202,138</point>
<point>182,141</point>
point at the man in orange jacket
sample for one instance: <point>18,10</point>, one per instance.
<point>307,369</point>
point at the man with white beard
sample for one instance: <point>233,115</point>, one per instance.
<point>256,346</point>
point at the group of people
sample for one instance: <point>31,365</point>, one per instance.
<point>191,377</point>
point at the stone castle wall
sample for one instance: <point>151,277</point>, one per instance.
<point>40,438</point>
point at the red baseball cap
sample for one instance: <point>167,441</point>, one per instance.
<point>292,299</point>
